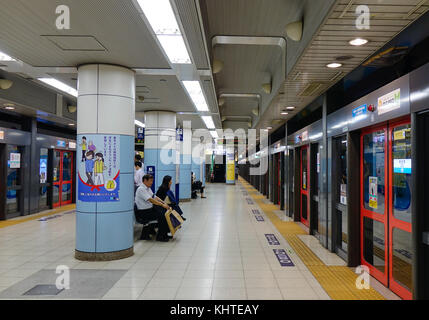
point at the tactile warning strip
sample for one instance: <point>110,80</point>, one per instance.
<point>339,282</point>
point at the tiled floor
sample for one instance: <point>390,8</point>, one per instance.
<point>220,253</point>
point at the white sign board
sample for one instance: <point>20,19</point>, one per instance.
<point>15,161</point>
<point>389,102</point>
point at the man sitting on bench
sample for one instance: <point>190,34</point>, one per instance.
<point>150,207</point>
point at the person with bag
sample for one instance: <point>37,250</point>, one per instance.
<point>151,207</point>
<point>164,193</point>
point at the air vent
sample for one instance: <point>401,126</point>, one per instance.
<point>149,100</point>
<point>311,89</point>
<point>76,43</point>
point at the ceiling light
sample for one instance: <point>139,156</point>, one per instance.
<point>294,30</point>
<point>214,134</point>
<point>138,123</point>
<point>5,84</point>
<point>334,65</point>
<point>9,108</point>
<point>290,108</point>
<point>284,113</point>
<point>163,21</point>
<point>71,124</point>
<point>208,120</point>
<point>196,93</point>
<point>358,42</point>
<point>5,57</point>
<point>59,85</point>
<point>269,128</point>
<point>217,66</point>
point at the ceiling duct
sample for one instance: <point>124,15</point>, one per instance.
<point>311,89</point>
<point>254,41</point>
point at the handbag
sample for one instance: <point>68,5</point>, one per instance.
<point>174,221</point>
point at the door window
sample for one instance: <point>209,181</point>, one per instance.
<point>401,184</point>
<point>374,171</point>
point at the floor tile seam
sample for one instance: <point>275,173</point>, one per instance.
<point>241,259</point>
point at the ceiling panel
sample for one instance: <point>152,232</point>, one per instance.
<point>115,25</point>
<point>331,41</point>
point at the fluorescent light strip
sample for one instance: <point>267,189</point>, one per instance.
<point>59,85</point>
<point>138,123</point>
<point>197,96</point>
<point>5,57</point>
<point>161,18</point>
<point>208,120</point>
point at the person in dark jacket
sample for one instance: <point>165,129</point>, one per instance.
<point>165,194</point>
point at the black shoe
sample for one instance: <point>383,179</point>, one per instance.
<point>145,237</point>
<point>163,239</point>
<point>184,219</point>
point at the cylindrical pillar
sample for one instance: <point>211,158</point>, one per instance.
<point>196,158</point>
<point>185,164</point>
<point>105,135</point>
<point>160,146</point>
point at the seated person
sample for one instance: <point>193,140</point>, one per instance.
<point>197,185</point>
<point>152,208</point>
<point>165,194</point>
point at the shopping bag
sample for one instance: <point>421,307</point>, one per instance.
<point>174,221</point>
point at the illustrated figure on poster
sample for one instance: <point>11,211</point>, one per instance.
<point>89,166</point>
<point>99,169</point>
<point>84,148</point>
<point>91,146</point>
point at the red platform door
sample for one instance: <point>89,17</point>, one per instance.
<point>385,205</point>
<point>305,185</point>
<point>63,178</point>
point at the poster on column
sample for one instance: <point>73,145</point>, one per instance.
<point>98,168</point>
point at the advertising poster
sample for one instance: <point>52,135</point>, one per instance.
<point>343,194</point>
<point>389,102</point>
<point>15,161</point>
<point>43,171</point>
<point>373,185</point>
<point>151,170</point>
<point>98,168</point>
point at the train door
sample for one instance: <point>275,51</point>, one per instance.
<point>314,170</point>
<point>305,186</point>
<point>291,182</point>
<point>282,180</point>
<point>13,187</point>
<point>62,178</point>
<point>386,243</point>
<point>339,195</point>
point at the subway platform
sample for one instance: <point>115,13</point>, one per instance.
<point>235,245</point>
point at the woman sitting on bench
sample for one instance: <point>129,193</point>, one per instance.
<point>164,193</point>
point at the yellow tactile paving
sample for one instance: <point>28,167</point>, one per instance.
<point>12,222</point>
<point>337,281</point>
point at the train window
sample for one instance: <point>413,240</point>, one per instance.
<point>374,246</point>
<point>401,164</point>
<point>402,257</point>
<point>374,171</point>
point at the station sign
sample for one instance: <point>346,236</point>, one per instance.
<point>389,102</point>
<point>72,145</point>
<point>359,111</point>
<point>61,143</point>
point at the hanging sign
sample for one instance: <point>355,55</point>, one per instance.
<point>373,198</point>
<point>15,161</point>
<point>389,102</point>
<point>99,171</point>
